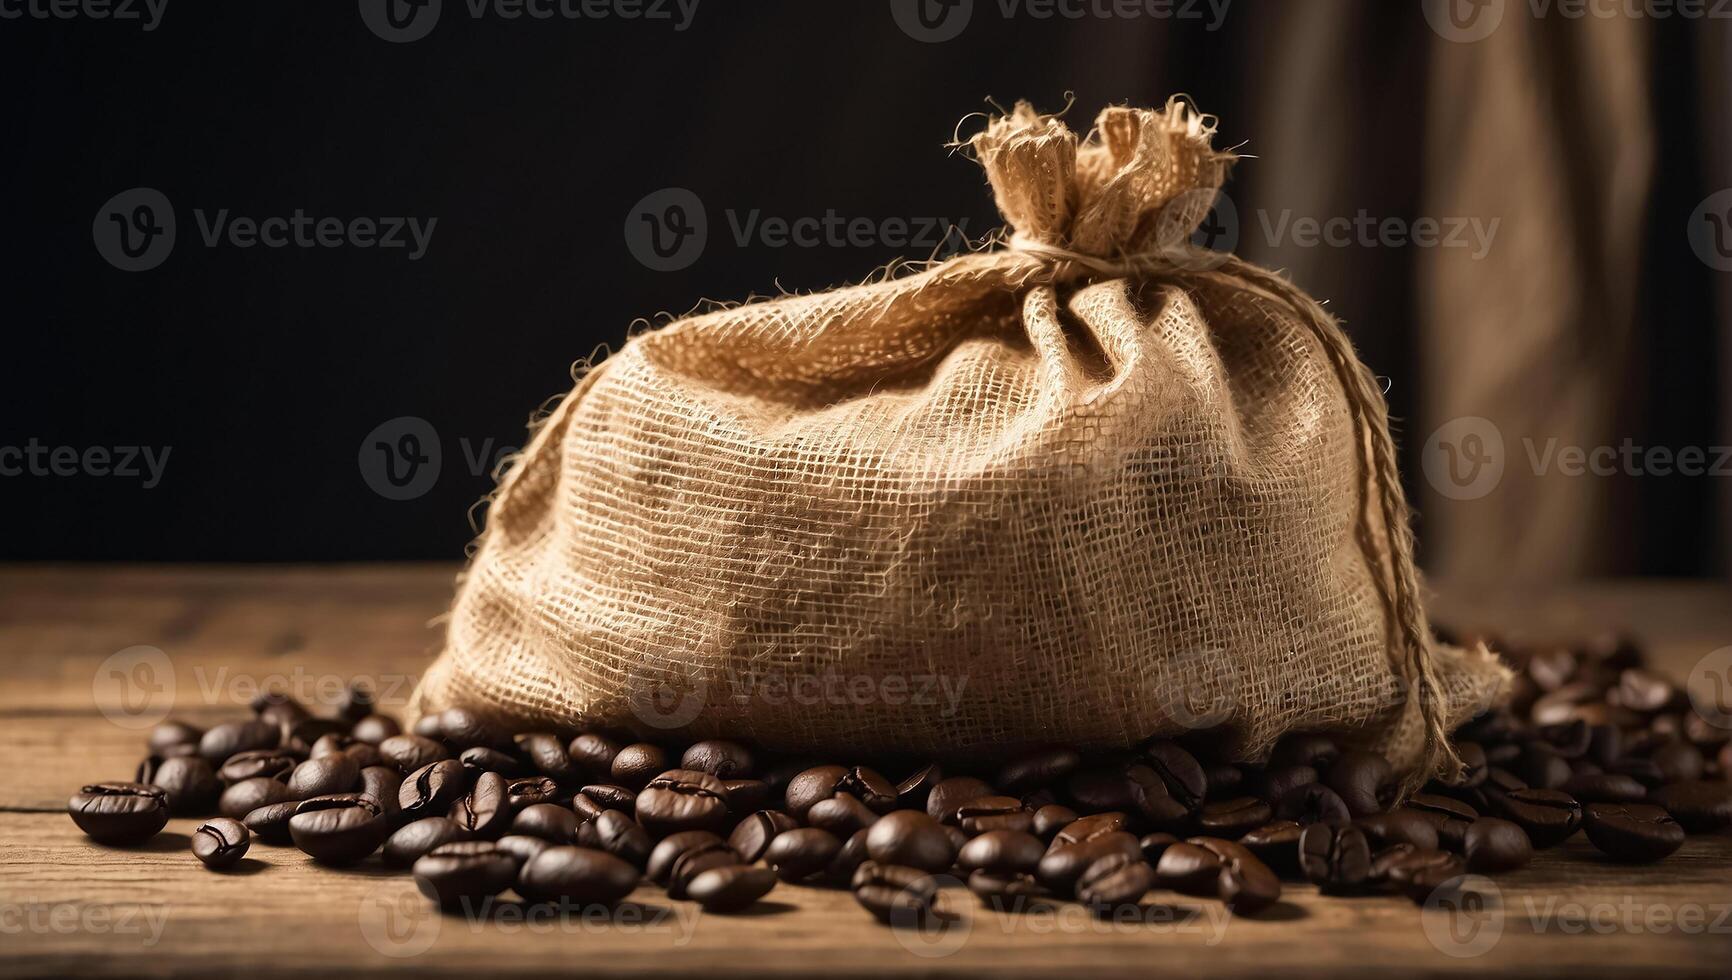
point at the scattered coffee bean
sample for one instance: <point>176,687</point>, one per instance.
<point>1417,874</point>
<point>621,836</point>
<point>594,754</point>
<point>522,847</point>
<point>1312,803</point>
<point>984,813</point>
<point>730,888</point>
<point>190,784</point>
<point>219,843</point>
<point>1005,892</point>
<point>1605,787</point>
<point>375,728</point>
<point>1307,749</point>
<point>1275,844</point>
<point>695,861</point>
<point>1494,845</point>
<point>340,829</point>
<point>411,752</point>
<point>1632,831</point>
<point>1037,769</point>
<point>896,895</point>
<point>170,738</point>
<point>747,795</point>
<point>1114,881</point>
<point>913,790</point>
<point>720,758</point>
<point>1364,781</point>
<point>1700,807</point>
<point>1061,866</point>
<point>324,776</point>
<point>1548,816</point>
<point>576,874</point>
<point>462,729</point>
<point>271,763</point>
<point>997,852</point>
<point>463,873</point>
<point>432,789</point>
<point>752,836</point>
<point>1334,857</point>
<point>636,764</point>
<point>682,799</point>
<point>947,795</point>
<point>671,848</point>
<point>548,821</point>
<point>1244,884</point>
<point>223,741</point>
<point>910,838</point>
<point>842,815</point>
<point>480,759</point>
<point>802,853</point>
<point>1235,817</point>
<point>1399,827</point>
<point>248,795</point>
<point>1155,844</point>
<point>485,811</point>
<point>119,813</point>
<point>1275,783</point>
<point>403,848</point>
<point>547,756</point>
<point>270,823</point>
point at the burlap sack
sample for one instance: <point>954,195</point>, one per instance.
<point>1089,487</point>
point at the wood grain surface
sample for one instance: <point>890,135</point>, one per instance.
<point>68,906</point>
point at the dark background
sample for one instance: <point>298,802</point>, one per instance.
<point>530,141</point>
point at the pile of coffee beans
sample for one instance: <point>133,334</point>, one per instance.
<point>1591,740</point>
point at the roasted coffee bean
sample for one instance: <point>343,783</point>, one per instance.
<point>189,782</point>
<point>340,829</point>
<point>431,789</point>
<point>1700,807</point>
<point>720,758</point>
<point>461,873</point>
<point>1569,740</point>
<point>411,752</point>
<point>1275,844</point>
<point>547,756</point>
<point>682,799</point>
<point>1399,827</point>
<point>1449,817</point>
<point>1548,816</point>
<point>271,763</point>
<point>485,811</point>
<point>1312,803</point>
<point>1089,827</point>
<point>249,794</point>
<point>480,758</point>
<point>169,738</point>
<point>1335,858</point>
<point>912,791</point>
<point>1179,771</point>
<point>223,741</point>
<point>840,870</point>
<point>1244,884</point>
<point>1304,749</point>
<point>220,843</point>
<point>1114,881</point>
<point>1005,892</point>
<point>606,796</point>
<point>842,815</point>
<point>668,850</point>
<point>1494,845</point>
<point>948,794</point>
<point>530,791</point>
<point>522,847</point>
<point>1060,867</point>
<point>300,736</point>
<point>638,763</point>
<point>462,729</point>
<point>896,895</point>
<point>119,813</point>
<point>325,776</point>
<point>985,813</point>
<point>730,888</point>
<point>1500,781</point>
<point>1274,783</point>
<point>1234,818</point>
<point>426,726</point>
<point>1641,691</point>
<point>995,852</point>
<point>576,874</point>
<point>747,795</point>
<point>1632,831</point>
<point>270,823</point>
<point>548,821</point>
<point>623,837</point>
<point>1678,762</point>
<point>802,853</point>
<point>696,861</point>
<point>1415,873</point>
<point>1605,744</point>
<point>1037,769</point>
<point>1605,787</point>
<point>1225,781</point>
<point>1050,819</point>
<point>1551,669</point>
<point>1039,798</point>
<point>403,848</point>
<point>375,728</point>
<point>593,753</point>
<point>1111,787</point>
<point>910,838</point>
<point>1364,781</point>
<point>870,788</point>
<point>1541,767</point>
<point>751,836</point>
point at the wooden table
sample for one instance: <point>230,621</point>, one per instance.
<point>68,717</point>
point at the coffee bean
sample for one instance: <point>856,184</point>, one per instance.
<point>870,788</point>
<point>271,763</point>
<point>324,776</point>
<point>1005,892</point>
<point>403,848</point>
<point>411,752</point>
<point>1641,691</point>
<point>219,843</point>
<point>1364,781</point>
<point>1037,769</point>
<point>276,706</point>
<point>670,848</point>
<point>1548,816</point>
<point>1050,819</point>
<point>1062,865</point>
<point>375,728</point>
<point>431,789</point>
<point>340,829</point>
<point>1569,740</point>
<point>722,759</point>
<point>1399,827</point>
<point>426,726</point>
<point>1235,817</point>
<point>1275,783</point>
<point>1110,788</point>
<point>623,837</point>
<point>1449,817</point>
<point>1312,803</point>
<point>1114,881</point>
<point>1415,873</point>
<point>638,763</point>
<point>170,738</point>
<point>462,729</point>
<point>548,821</point>
<point>270,823</point>
<point>249,794</point>
<point>223,741</point>
<point>300,736</point>
<point>1088,828</point>
<point>576,874</point>
<point>696,861</point>
<point>998,852</point>
<point>730,888</point>
<point>751,836</point>
<point>606,796</point>
<point>747,795</point>
<point>682,799</point>
<point>1307,749</point>
<point>984,813</point>
<point>1494,845</point>
<point>1335,858</point>
<point>1225,781</point>
<point>594,753</point>
<point>842,815</point>
<point>485,811</point>
<point>522,847</point>
<point>896,895</point>
<point>910,838</point>
<point>480,759</point>
<point>802,853</point>
<point>547,756</point>
<point>948,794</point>
<point>1700,807</point>
<point>190,784</point>
<point>1275,844</point>
<point>1605,787</point>
<point>1541,767</point>
<point>530,791</point>
<point>462,873</point>
<point>914,788</point>
<point>1179,771</point>
<point>1678,762</point>
<point>119,813</point>
<point>1473,765</point>
<point>1244,884</point>
<point>1632,831</point>
<point>1551,669</point>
